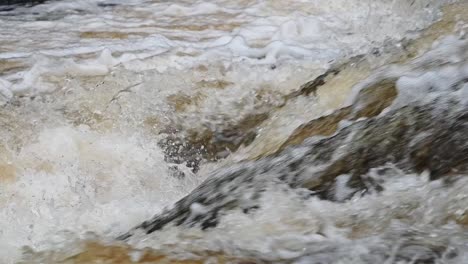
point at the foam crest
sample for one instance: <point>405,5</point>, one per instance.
<point>188,34</point>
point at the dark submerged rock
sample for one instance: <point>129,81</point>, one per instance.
<point>20,2</point>
<point>210,145</point>
<point>310,87</point>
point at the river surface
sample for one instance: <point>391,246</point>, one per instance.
<point>90,88</point>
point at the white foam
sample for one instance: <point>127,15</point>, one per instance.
<point>77,180</point>
<point>195,10</point>
<point>297,30</point>
<point>5,89</point>
<point>427,76</point>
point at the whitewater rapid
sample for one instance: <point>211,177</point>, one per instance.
<point>88,87</point>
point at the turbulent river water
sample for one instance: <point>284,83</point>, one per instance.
<point>302,131</point>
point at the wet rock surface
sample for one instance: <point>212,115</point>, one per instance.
<point>103,254</point>
<point>422,137</point>
<point>215,143</point>
<point>100,253</point>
